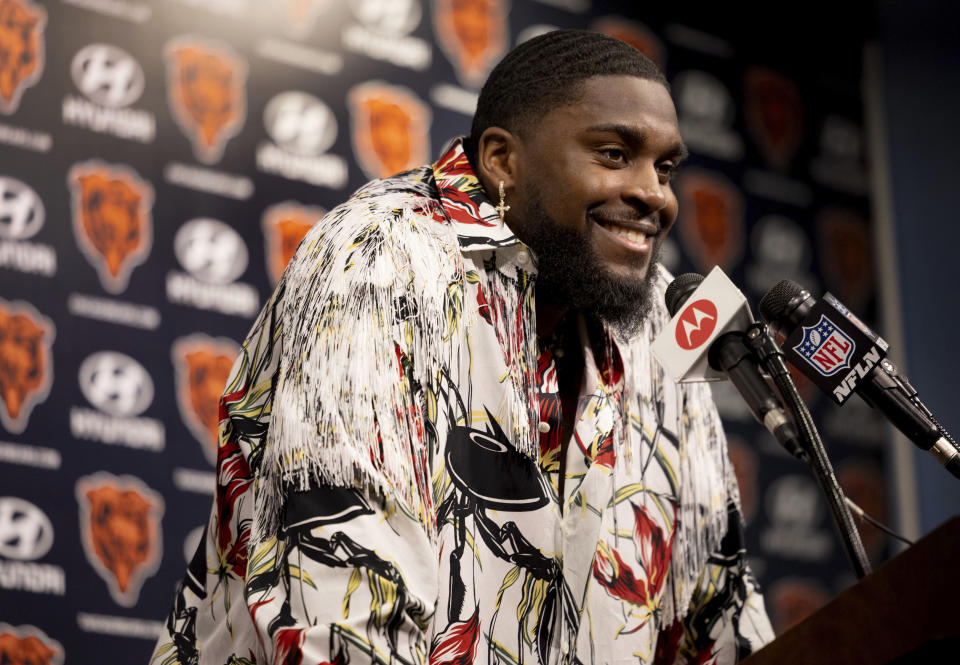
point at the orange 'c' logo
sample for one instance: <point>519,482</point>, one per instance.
<point>473,34</point>
<point>202,365</point>
<point>21,50</point>
<point>111,219</point>
<point>28,645</point>
<point>635,34</point>
<point>120,530</point>
<point>390,128</point>
<point>206,83</point>
<point>26,362</point>
<point>284,226</point>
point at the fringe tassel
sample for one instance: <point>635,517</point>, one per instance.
<point>367,287</point>
<point>702,473</point>
<point>702,518</point>
<point>513,322</point>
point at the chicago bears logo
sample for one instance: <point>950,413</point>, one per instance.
<point>28,645</point>
<point>774,115</point>
<point>390,128</point>
<point>635,34</point>
<point>711,225</point>
<point>26,362</point>
<point>120,531</point>
<point>473,35</point>
<point>846,256</point>
<point>111,219</point>
<point>284,226</point>
<point>21,50</point>
<point>202,365</point>
<point>206,83</point>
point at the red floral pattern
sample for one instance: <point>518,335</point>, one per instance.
<point>457,645</point>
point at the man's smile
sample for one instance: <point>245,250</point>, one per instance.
<point>634,235</point>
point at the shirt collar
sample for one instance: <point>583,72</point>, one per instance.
<point>465,203</point>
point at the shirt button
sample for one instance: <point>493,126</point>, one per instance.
<point>558,353</point>
<point>564,649</point>
<point>543,426</point>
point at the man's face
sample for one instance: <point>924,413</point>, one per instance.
<point>593,195</point>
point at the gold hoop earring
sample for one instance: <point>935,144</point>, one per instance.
<point>502,208</point>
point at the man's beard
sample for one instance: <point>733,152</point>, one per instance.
<point>570,273</point>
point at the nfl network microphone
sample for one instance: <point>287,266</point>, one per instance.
<point>839,353</point>
<point>704,341</point>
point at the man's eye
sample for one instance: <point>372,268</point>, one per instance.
<point>666,170</point>
<point>614,154</point>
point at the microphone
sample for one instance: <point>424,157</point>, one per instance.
<point>840,354</point>
<point>715,307</point>
<point>705,341</point>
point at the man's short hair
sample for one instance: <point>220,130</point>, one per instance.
<point>546,72</point>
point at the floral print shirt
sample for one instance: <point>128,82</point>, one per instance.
<point>388,476</point>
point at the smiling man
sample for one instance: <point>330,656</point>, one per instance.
<point>446,440</point>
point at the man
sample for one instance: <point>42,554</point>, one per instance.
<point>446,440</point>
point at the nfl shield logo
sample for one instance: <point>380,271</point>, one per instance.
<point>826,347</point>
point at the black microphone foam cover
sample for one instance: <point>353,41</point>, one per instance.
<point>775,303</point>
<point>680,289</point>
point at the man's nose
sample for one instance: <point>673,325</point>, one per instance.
<point>644,186</point>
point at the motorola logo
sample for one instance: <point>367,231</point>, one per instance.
<point>211,251</point>
<point>116,384</point>
<point>21,210</point>
<point>388,17</point>
<point>300,123</point>
<point>107,75</point>
<point>25,531</point>
<point>696,324</point>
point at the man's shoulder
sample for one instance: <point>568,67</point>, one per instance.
<point>387,227</point>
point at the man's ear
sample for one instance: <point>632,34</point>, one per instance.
<point>497,158</point>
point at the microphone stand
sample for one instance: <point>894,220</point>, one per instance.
<point>771,358</point>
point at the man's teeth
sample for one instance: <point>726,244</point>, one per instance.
<point>629,234</point>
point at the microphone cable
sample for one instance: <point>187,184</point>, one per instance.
<point>862,514</point>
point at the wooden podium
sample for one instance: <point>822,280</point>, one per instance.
<point>906,611</point>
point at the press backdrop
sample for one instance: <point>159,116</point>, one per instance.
<point>159,162</point>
